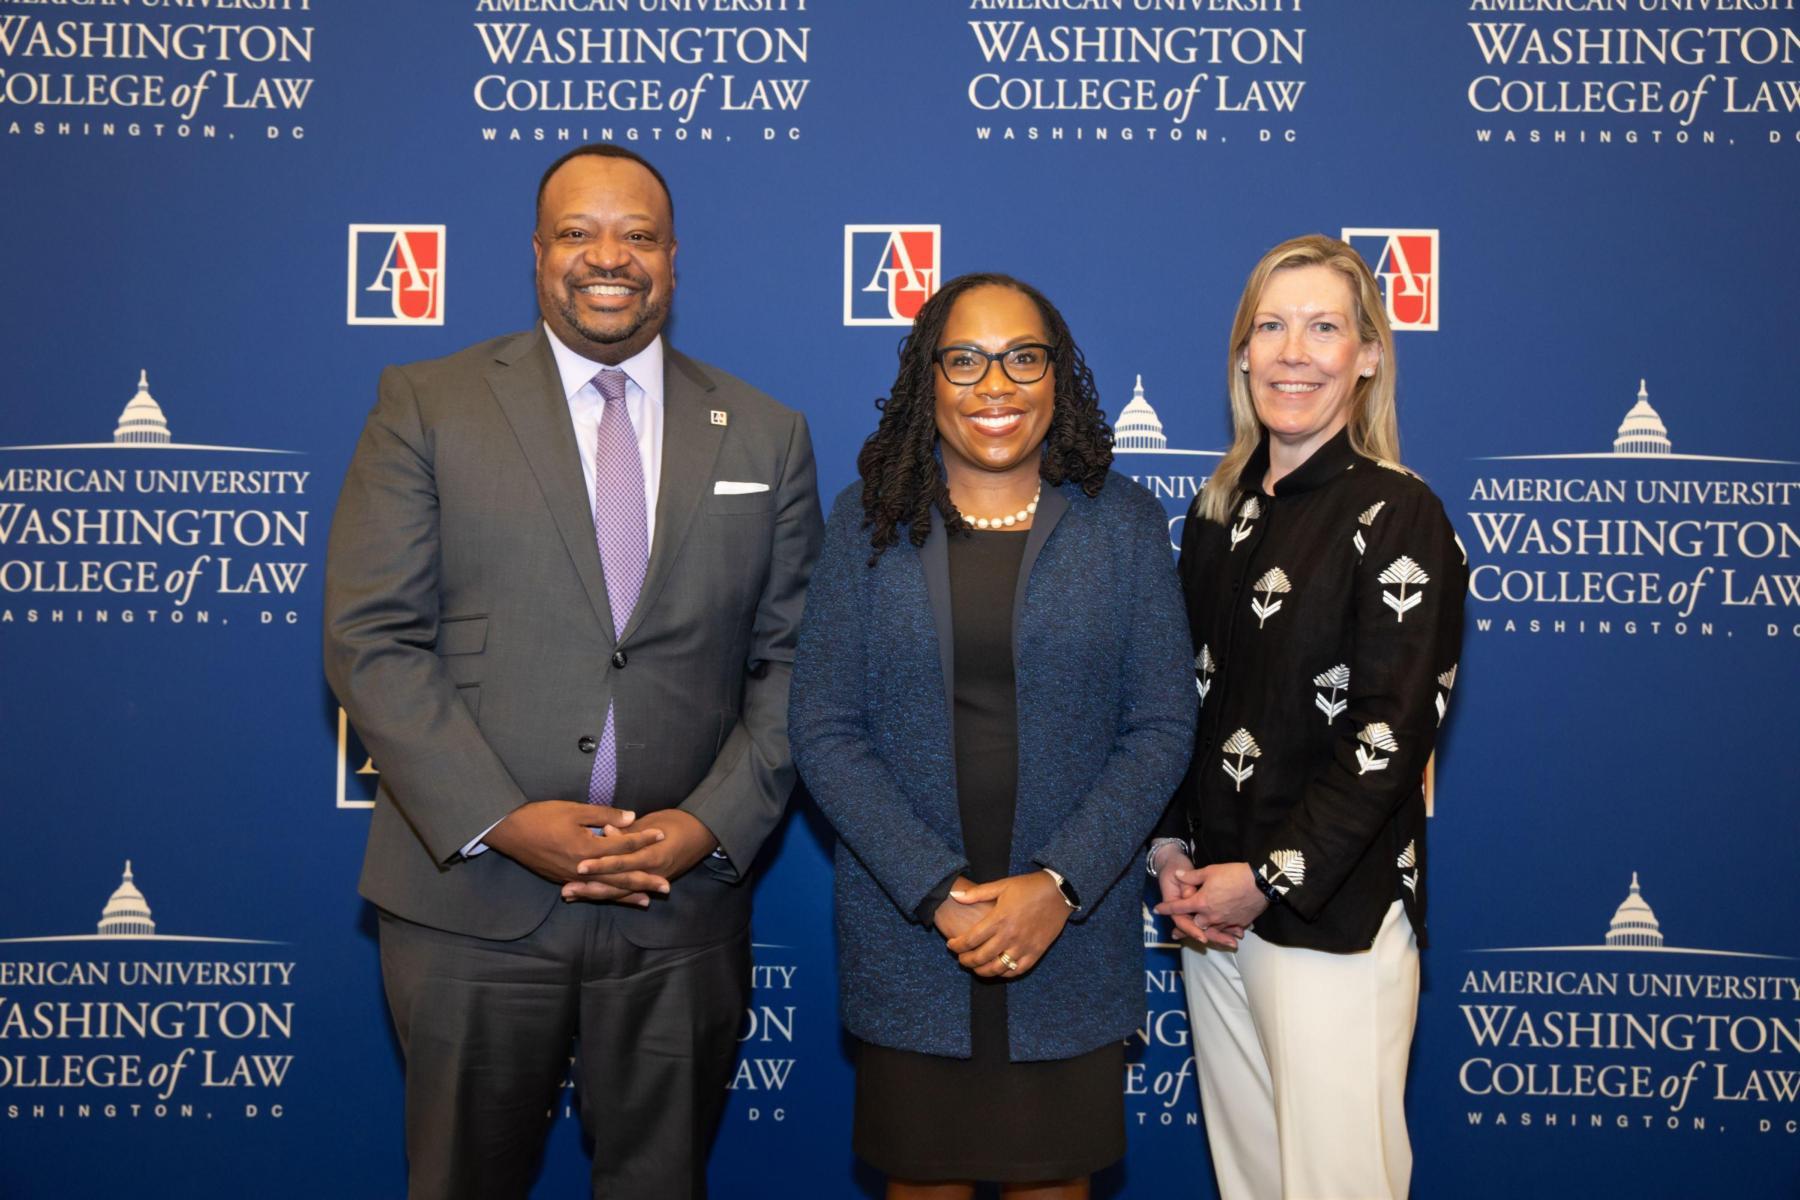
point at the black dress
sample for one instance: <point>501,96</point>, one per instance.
<point>925,1118</point>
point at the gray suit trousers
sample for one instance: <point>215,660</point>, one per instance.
<point>486,1028</point>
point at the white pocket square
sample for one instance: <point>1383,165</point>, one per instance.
<point>731,487</point>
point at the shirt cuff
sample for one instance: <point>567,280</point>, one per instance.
<point>477,845</point>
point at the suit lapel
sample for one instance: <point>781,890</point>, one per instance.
<point>691,441</point>
<point>1052,504</point>
<point>934,564</point>
<point>529,390</point>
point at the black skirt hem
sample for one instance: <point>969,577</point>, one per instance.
<point>1040,1122</point>
<point>991,1172</point>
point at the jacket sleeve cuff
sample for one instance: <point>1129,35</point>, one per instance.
<point>1283,872</point>
<point>934,899</point>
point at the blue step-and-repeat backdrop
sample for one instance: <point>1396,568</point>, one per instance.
<point>221,219</point>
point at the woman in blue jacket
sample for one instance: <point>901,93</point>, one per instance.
<point>992,703</point>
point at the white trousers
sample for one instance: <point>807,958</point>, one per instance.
<point>1302,1056</point>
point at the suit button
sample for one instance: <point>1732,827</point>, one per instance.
<point>618,658</point>
<point>586,745</point>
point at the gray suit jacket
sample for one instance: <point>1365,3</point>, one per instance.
<point>468,635</point>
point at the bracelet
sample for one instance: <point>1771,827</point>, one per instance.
<point>1157,844</point>
<point>1066,889</point>
<point>1270,892</point>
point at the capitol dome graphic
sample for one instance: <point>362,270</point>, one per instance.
<point>1641,435</point>
<point>142,423</point>
<point>1138,427</point>
<point>1634,929</point>
<point>127,917</point>
<point>127,913</point>
<point>1154,936</point>
<point>1642,431</point>
<point>1138,430</point>
<point>1634,924</point>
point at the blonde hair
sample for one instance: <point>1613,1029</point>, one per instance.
<point>1373,424</point>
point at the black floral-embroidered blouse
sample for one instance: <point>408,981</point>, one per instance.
<point>1327,625</point>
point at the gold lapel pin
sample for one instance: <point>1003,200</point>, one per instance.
<point>718,416</point>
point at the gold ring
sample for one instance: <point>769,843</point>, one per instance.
<point>1011,964</point>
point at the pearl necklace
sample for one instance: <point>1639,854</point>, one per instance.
<point>1010,519</point>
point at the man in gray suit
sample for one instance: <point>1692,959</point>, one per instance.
<point>561,599</point>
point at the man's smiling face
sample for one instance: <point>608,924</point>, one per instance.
<point>605,246</point>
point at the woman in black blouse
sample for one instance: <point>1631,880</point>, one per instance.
<point>1325,596</point>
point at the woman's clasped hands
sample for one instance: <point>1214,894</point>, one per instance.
<point>1213,905</point>
<point>1003,928</point>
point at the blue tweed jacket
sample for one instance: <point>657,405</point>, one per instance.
<point>1106,703</point>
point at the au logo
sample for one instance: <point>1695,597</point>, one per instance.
<point>1405,263</point>
<point>396,275</point>
<point>357,776</point>
<point>889,272</point>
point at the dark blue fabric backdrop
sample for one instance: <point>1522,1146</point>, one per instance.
<point>1570,209</point>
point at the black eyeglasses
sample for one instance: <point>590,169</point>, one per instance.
<point>965,365</point>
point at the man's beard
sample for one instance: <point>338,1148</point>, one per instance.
<point>652,315</point>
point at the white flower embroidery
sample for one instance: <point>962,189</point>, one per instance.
<point>1243,746</point>
<point>1446,681</point>
<point>1274,582</point>
<point>1204,666</point>
<point>1408,863</point>
<point>1366,518</point>
<point>1248,513</point>
<point>1337,679</point>
<point>1289,865</point>
<point>1376,735</point>
<point>1407,573</point>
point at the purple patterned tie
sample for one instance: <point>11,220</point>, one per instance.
<point>623,534</point>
